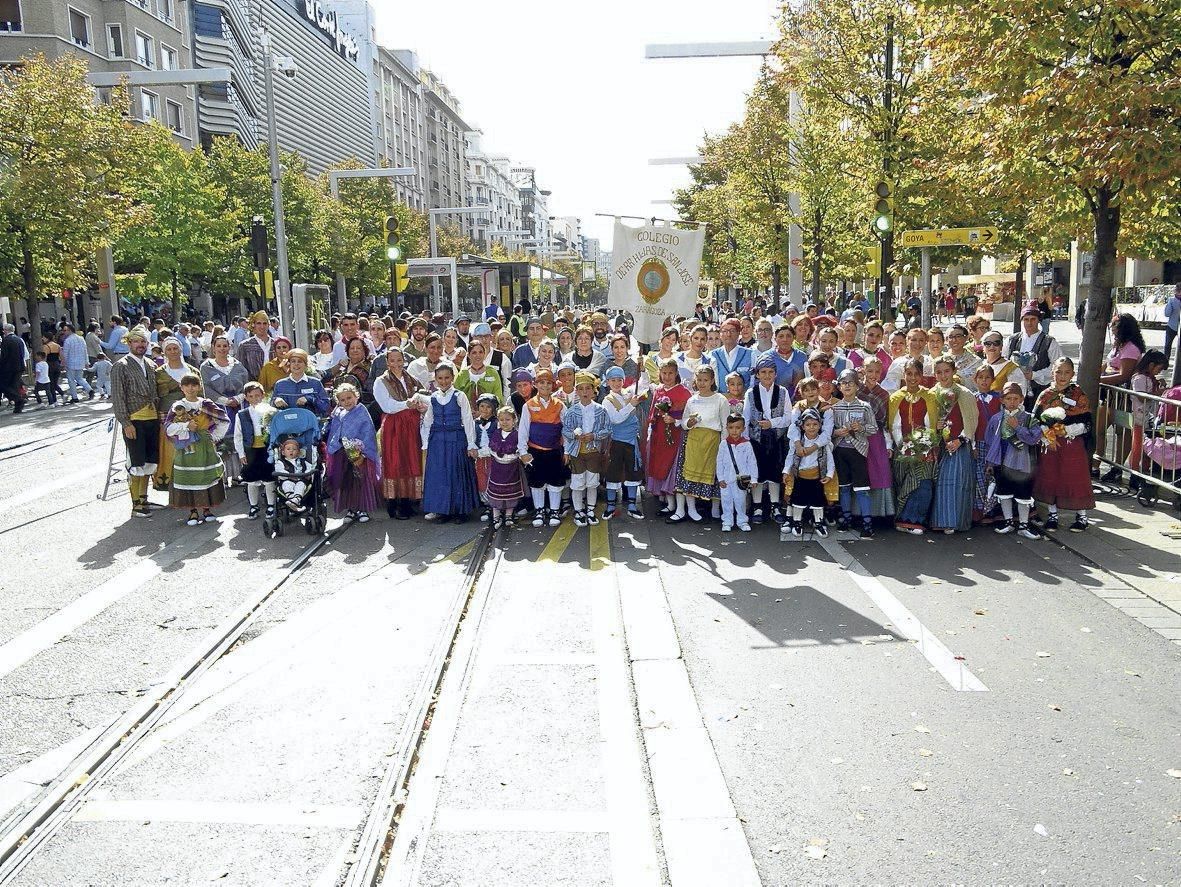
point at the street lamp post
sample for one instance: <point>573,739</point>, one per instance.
<point>269,62</point>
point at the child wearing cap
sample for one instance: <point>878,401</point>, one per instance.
<point>624,465</point>
<point>522,390</point>
<point>540,447</point>
<point>805,470</point>
<point>586,430</point>
<point>1010,443</point>
<point>854,423</point>
<point>767,410</point>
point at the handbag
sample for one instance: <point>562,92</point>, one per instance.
<point>743,480</point>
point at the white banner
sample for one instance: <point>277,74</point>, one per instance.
<point>654,274</point>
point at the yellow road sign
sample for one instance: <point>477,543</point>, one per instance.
<point>982,236</point>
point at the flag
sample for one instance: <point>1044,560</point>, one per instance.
<point>654,275</point>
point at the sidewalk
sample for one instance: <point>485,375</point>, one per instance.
<point>1140,546</point>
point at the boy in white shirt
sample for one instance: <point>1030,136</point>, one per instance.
<point>736,467</point>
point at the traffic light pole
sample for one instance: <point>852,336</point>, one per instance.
<point>283,298</point>
<point>886,288</point>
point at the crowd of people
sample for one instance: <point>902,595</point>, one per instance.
<point>805,420</point>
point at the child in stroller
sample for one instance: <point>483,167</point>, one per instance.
<point>293,439</point>
<point>294,472</point>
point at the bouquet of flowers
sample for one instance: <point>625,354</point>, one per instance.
<point>919,445</point>
<point>354,452</point>
<point>664,406</point>
<point>1053,427</point>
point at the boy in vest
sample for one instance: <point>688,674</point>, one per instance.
<point>624,467</point>
<point>540,448</point>
<point>585,432</point>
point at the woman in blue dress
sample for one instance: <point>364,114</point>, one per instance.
<point>449,442</point>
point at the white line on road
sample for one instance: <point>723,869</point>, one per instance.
<point>907,624</point>
<point>43,490</point>
<point>221,813</point>
<point>53,628</point>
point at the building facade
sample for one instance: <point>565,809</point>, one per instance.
<point>401,124</point>
<point>534,204</point>
<point>490,184</point>
<point>323,113</point>
<point>566,235</point>
<point>111,37</point>
<point>446,136</point>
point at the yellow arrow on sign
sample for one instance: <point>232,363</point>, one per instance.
<point>982,236</point>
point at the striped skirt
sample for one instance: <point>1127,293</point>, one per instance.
<point>952,509</point>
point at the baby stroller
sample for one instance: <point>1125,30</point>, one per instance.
<point>1162,451</point>
<point>299,484</point>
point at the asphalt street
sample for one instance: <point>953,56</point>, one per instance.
<point>628,704</point>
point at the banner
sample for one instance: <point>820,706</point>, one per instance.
<point>654,275</point>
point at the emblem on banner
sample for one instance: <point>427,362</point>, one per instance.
<point>653,280</point>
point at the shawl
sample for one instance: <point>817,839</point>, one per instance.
<point>400,389</point>
<point>355,424</point>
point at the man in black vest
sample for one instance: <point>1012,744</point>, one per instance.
<point>1034,352</point>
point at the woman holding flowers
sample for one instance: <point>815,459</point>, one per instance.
<point>912,415</point>
<point>1063,474</point>
<point>352,456</point>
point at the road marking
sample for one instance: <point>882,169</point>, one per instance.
<point>29,778</point>
<point>559,542</point>
<point>954,671</point>
<point>53,628</point>
<point>221,813</point>
<point>449,819</point>
<point>600,546</point>
<point>461,553</point>
<point>43,490</point>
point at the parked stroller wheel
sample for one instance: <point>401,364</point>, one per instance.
<point>279,530</point>
<point>309,524</point>
<point>321,523</point>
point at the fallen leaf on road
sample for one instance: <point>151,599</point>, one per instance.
<point>837,761</point>
<point>775,848</point>
<point>981,612</point>
<point>952,631</point>
<point>919,786</point>
<point>1176,774</point>
<point>921,729</point>
<point>1041,830</point>
<point>925,753</point>
<point>777,686</point>
<point>1042,654</point>
<point>1085,630</point>
<point>815,852</point>
<point>936,581</point>
<point>1066,771</point>
<point>866,643</point>
<point>1134,674</point>
<point>1055,708</point>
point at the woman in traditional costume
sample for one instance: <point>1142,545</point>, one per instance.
<point>396,393</point>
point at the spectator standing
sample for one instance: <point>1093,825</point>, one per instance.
<point>75,360</point>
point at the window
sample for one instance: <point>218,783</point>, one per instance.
<point>145,50</point>
<point>176,118</point>
<point>10,15</point>
<point>207,21</point>
<point>80,28</point>
<point>169,60</point>
<point>164,8</point>
<point>115,41</point>
<point>149,105</point>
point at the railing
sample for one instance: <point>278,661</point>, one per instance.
<point>1143,437</point>
<point>1145,303</point>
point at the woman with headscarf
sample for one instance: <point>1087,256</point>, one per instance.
<point>168,377</point>
<point>224,379</point>
<point>275,368</point>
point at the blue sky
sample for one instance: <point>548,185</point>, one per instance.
<point>565,87</point>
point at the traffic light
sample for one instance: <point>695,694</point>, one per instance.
<point>883,208</point>
<point>401,276</point>
<point>393,249</point>
<point>264,283</point>
<point>873,264</point>
<point>259,247</point>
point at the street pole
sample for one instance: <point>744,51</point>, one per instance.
<point>1177,356</point>
<point>276,186</point>
<point>436,297</point>
<point>886,312</point>
<point>925,286</point>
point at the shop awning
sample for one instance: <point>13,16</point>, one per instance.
<point>970,279</point>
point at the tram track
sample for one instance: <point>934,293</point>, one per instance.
<point>24,447</point>
<point>377,836</point>
<point>26,830</point>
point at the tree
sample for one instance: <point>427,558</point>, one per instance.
<point>192,227</point>
<point>1083,104</point>
<point>65,163</point>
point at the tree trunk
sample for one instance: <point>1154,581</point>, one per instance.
<point>1098,317</point>
<point>1018,289</point>
<point>776,273</point>
<point>817,256</point>
<point>175,301</point>
<point>29,278</point>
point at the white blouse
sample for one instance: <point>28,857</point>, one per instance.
<point>711,411</point>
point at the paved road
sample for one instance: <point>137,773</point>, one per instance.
<point>632,704</point>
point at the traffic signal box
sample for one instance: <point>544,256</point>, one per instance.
<point>401,276</point>
<point>883,208</point>
<point>393,249</point>
<point>873,264</point>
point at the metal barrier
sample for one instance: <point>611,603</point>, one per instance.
<point>1143,437</point>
